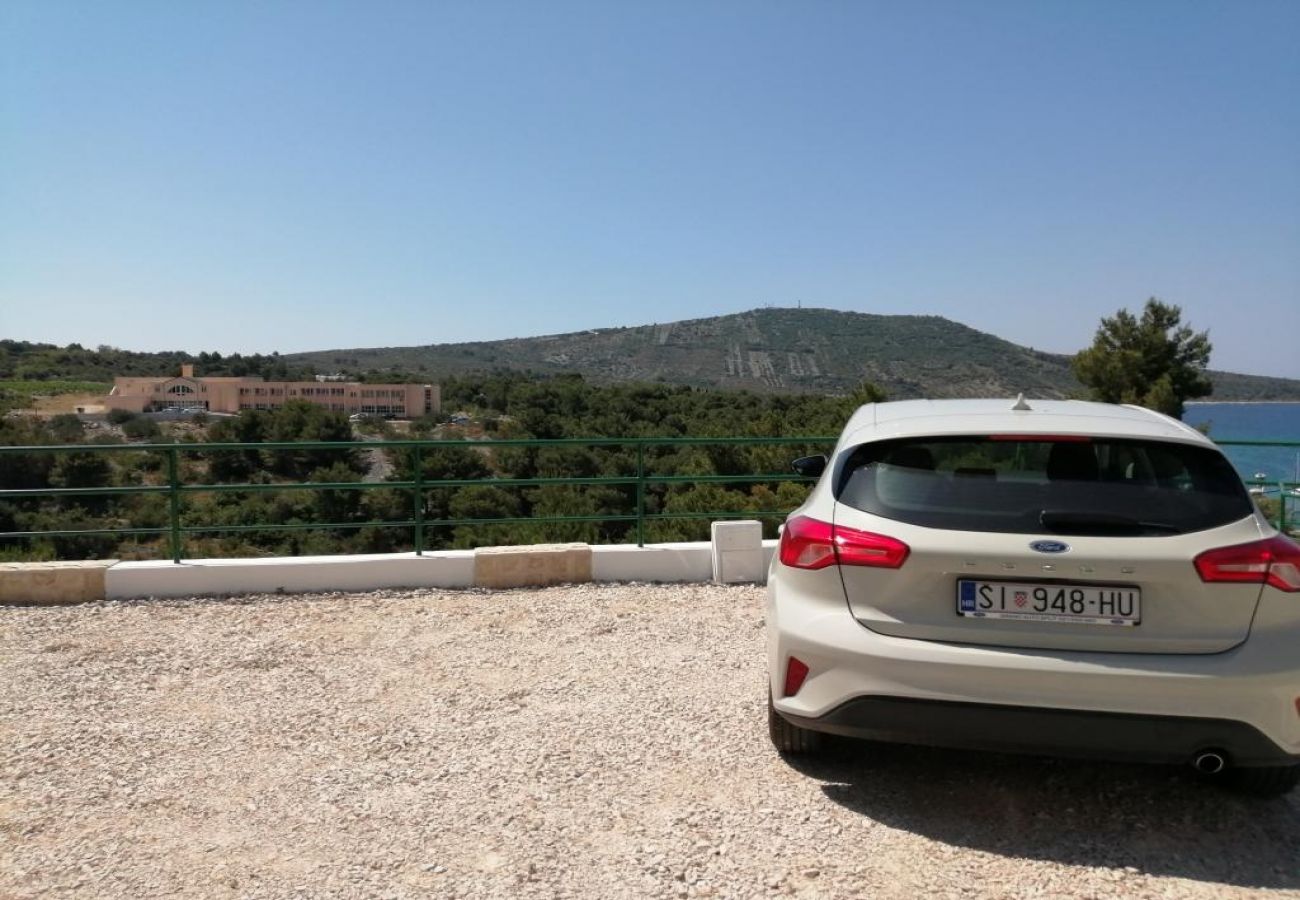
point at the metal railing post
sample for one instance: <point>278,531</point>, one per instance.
<point>174,497</point>
<point>417,460</point>
<point>640,492</point>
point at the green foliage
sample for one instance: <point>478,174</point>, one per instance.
<point>141,428</point>
<point>1154,361</point>
<point>484,502</point>
<point>425,426</point>
<point>374,426</point>
<point>74,369</point>
<point>568,407</point>
<point>867,392</point>
<point>24,470</point>
<point>67,428</point>
<point>562,407</point>
<point>336,506</point>
<point>84,469</point>
<point>297,420</point>
<point>120,416</point>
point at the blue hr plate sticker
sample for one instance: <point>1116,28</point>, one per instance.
<point>968,596</point>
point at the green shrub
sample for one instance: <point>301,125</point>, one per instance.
<point>67,428</point>
<point>141,429</point>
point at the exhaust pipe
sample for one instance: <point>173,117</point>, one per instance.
<point>1209,762</point>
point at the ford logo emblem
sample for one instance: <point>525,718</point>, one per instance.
<point>1049,546</point>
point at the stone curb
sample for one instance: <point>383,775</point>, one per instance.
<point>53,583</point>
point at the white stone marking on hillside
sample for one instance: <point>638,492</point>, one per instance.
<point>760,364</point>
<point>735,362</point>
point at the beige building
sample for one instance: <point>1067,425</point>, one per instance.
<point>231,395</point>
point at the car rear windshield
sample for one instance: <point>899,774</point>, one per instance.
<point>1097,486</point>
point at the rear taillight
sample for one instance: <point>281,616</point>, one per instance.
<point>808,543</point>
<point>1275,561</point>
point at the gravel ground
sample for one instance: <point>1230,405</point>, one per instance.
<point>593,741</point>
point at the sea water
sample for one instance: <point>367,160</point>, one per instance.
<point>1253,422</point>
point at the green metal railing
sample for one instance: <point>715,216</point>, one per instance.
<point>418,485</point>
<point>1287,491</point>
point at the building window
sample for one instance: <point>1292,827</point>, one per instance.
<point>180,389</point>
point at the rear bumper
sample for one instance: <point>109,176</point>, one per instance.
<point>1026,729</point>
<point>1117,705</point>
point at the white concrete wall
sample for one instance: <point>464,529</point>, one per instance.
<point>452,569</point>
<point>205,577</point>
<point>690,561</point>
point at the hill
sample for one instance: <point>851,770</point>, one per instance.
<point>774,350</point>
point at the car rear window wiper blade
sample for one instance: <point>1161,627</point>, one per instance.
<point>1083,522</point>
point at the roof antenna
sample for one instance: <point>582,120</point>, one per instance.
<point>1020,403</point>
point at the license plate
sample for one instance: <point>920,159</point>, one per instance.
<point>1072,604</point>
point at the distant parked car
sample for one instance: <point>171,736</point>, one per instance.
<point>1058,577</point>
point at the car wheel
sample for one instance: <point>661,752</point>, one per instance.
<point>1264,781</point>
<point>788,738</point>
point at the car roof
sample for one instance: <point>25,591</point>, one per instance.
<point>912,418</point>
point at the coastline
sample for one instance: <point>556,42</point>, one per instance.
<point>1240,402</point>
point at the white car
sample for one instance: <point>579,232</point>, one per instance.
<point>1056,577</point>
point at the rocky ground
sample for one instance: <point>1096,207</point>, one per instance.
<point>596,741</point>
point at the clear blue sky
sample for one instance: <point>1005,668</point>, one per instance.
<point>384,173</point>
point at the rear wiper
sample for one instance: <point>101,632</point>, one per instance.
<point>1082,522</point>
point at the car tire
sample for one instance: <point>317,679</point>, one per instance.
<point>1264,781</point>
<point>790,739</point>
